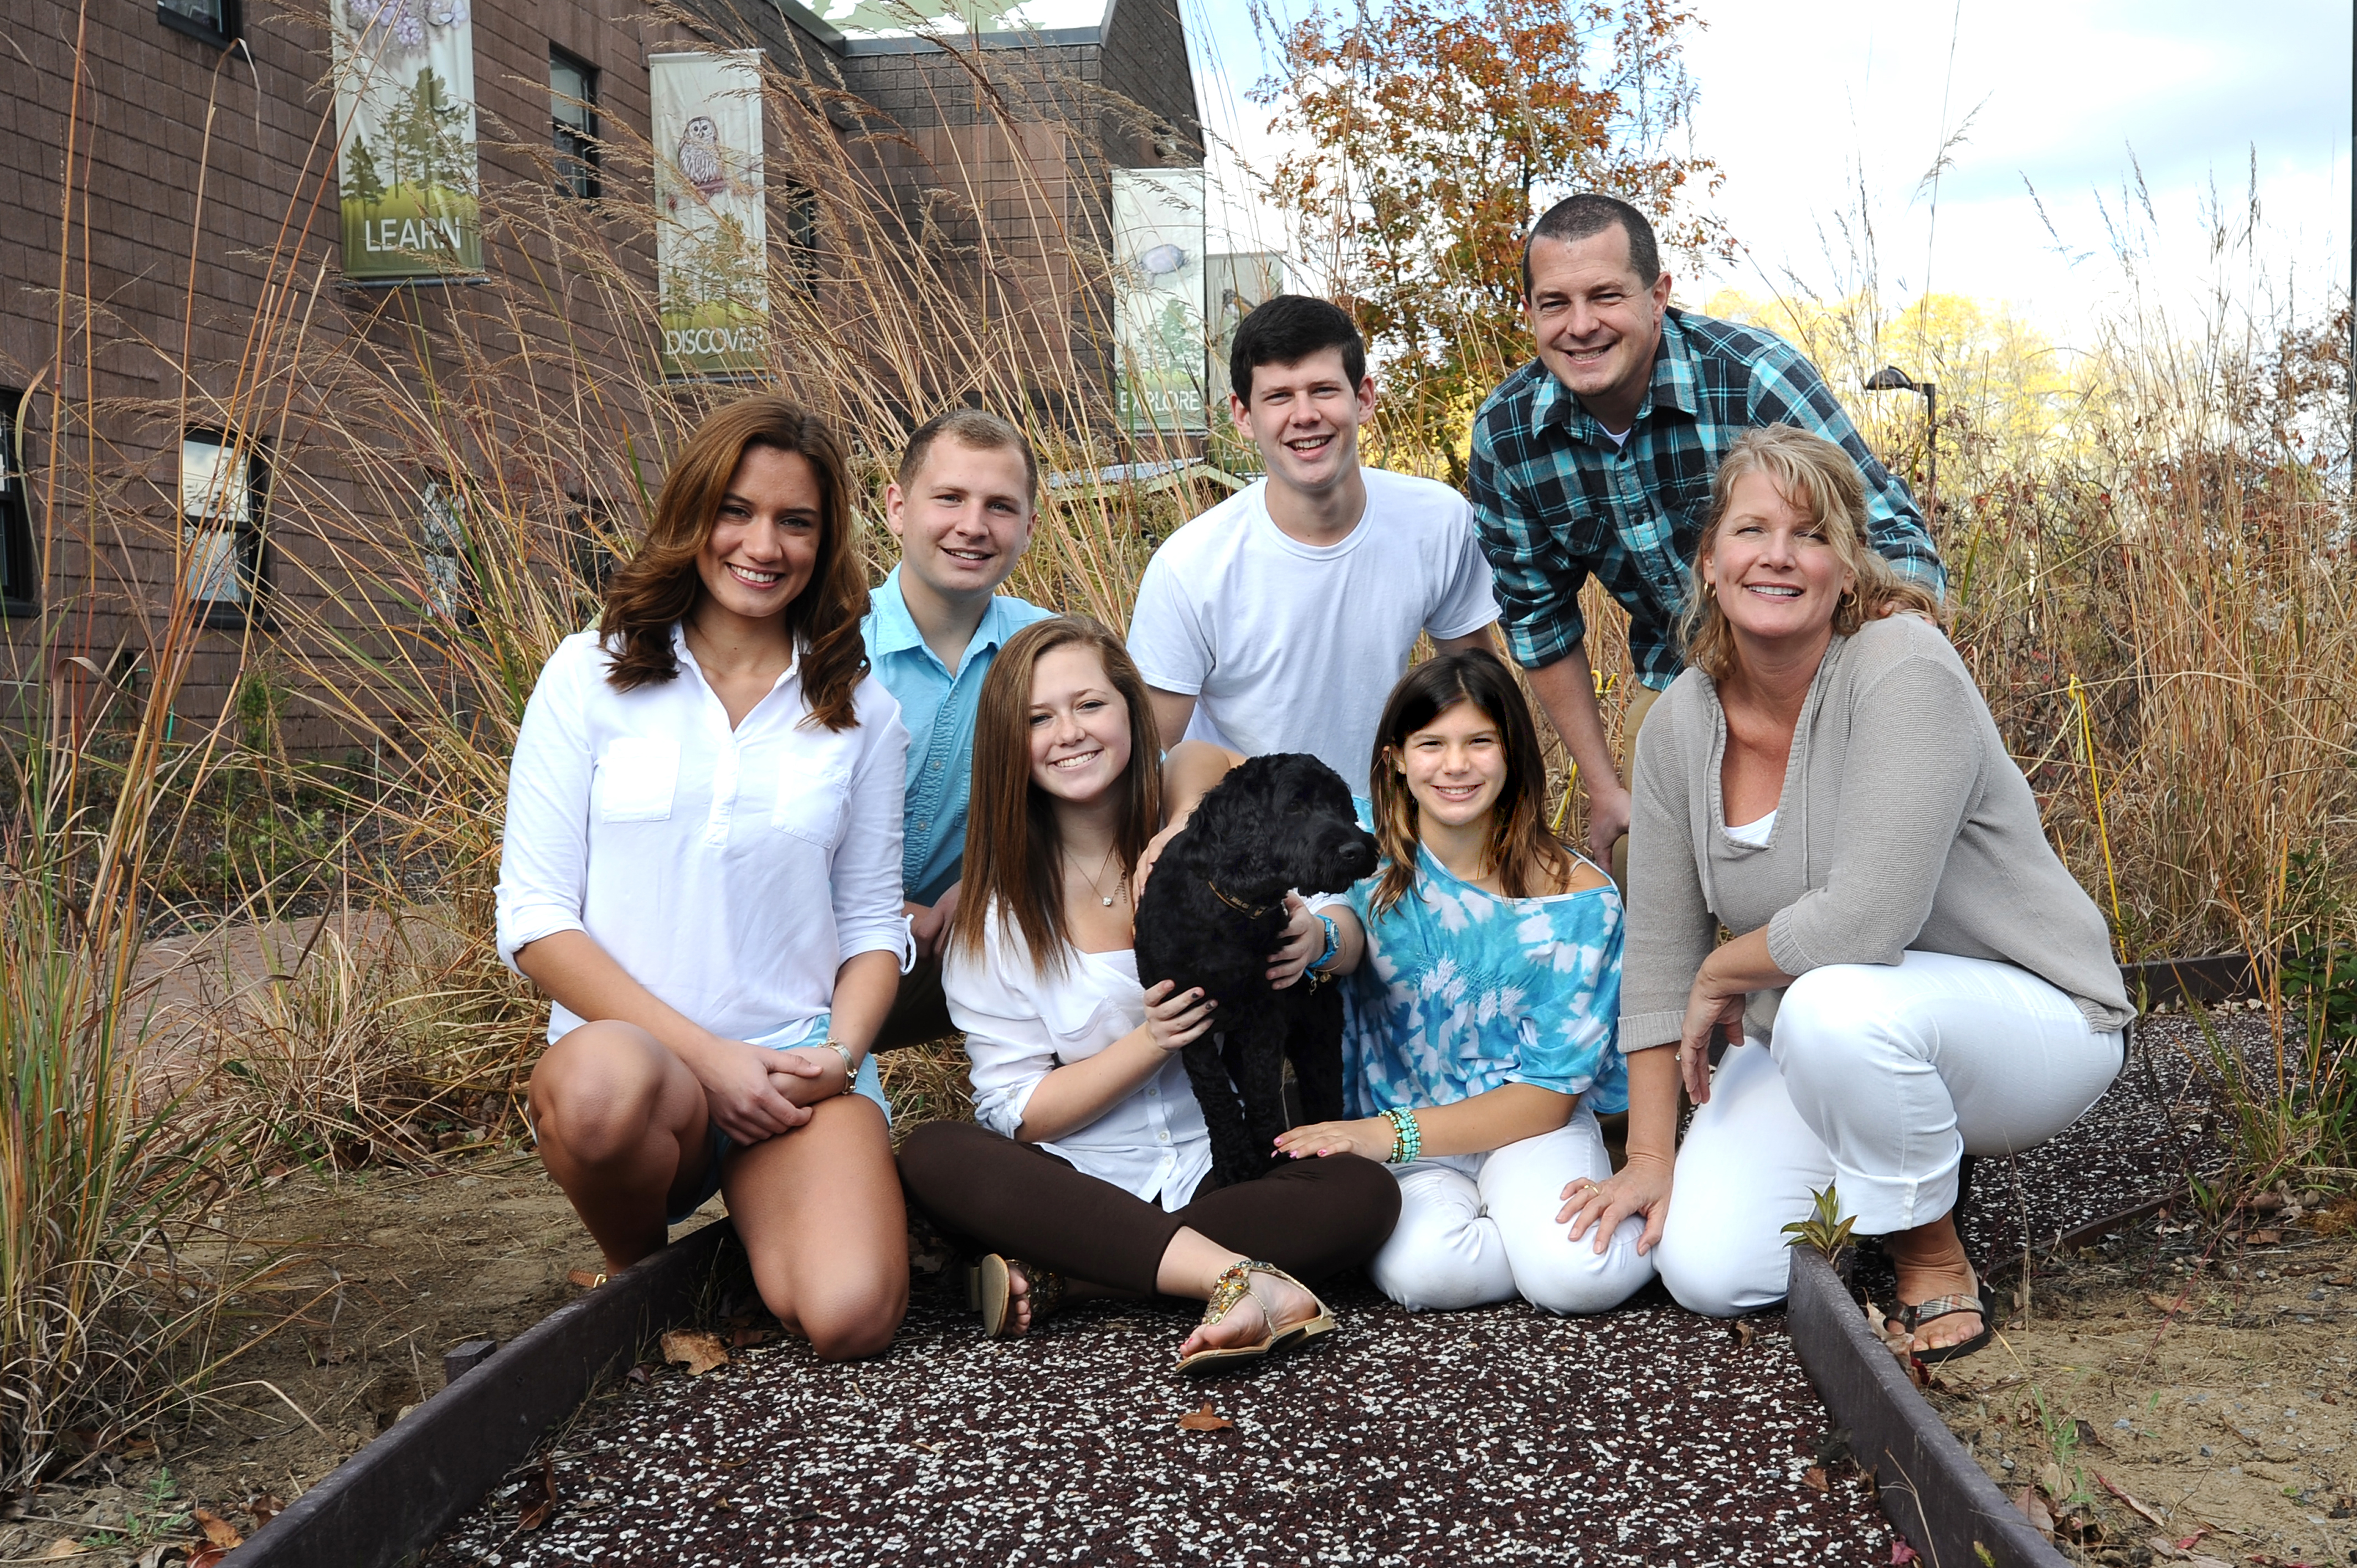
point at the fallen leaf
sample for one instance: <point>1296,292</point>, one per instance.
<point>693,1349</point>
<point>2050,1475</point>
<point>63,1546</point>
<point>217,1531</point>
<point>587,1279</point>
<point>2146,1514</point>
<point>1814,1477</point>
<point>539,1497</point>
<point>2163,1550</point>
<point>264,1507</point>
<point>2162,1304</point>
<point>2265,1238</point>
<point>639,1375</point>
<point>1745,1333</point>
<point>207,1557</point>
<point>1204,1420</point>
<point>2188,1543</point>
<point>1901,1552</point>
<point>2033,1508</point>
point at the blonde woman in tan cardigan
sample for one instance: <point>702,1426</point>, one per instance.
<point>1913,975</point>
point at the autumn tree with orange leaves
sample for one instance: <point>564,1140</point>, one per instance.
<point>1433,132</point>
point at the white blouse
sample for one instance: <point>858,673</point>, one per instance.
<point>729,871</point>
<point>1021,1026</point>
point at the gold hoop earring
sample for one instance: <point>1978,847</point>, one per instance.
<point>1848,598</point>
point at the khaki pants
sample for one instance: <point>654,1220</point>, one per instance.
<point>1633,719</point>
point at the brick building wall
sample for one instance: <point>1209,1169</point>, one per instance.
<point>170,300</point>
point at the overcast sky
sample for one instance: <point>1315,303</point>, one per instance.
<point>1805,102</point>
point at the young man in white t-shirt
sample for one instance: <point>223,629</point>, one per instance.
<point>1280,619</point>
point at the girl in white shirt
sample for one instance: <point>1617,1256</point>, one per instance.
<point>702,868</point>
<point>1082,1178</point>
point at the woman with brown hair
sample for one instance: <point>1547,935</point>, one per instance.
<point>1082,1177</point>
<point>702,869</point>
<point>1915,978</point>
<point>1485,975</point>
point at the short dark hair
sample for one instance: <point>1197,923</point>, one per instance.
<point>1287,329</point>
<point>975,429</point>
<point>1592,212</point>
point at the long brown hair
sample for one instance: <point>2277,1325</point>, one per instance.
<point>1527,857</point>
<point>660,587</point>
<point>1013,851</point>
<point>1821,480</point>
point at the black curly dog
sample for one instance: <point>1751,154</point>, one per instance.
<point>1213,911</point>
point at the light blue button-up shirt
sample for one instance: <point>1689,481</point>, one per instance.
<point>938,710</point>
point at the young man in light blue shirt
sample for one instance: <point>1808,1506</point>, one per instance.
<point>961,508</point>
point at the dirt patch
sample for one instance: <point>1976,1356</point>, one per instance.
<point>2210,1375</point>
<point>377,1273</point>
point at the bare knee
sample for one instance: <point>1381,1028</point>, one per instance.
<point>846,1319</point>
<point>598,1092</point>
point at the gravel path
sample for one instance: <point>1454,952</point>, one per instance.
<point>1501,1436</point>
<point>2121,1152</point>
<point>1495,1436</point>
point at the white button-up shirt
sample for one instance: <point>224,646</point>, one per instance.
<point>1021,1026</point>
<point>729,871</point>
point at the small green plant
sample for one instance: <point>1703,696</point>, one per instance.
<point>2062,1436</point>
<point>157,1515</point>
<point>1826,1229</point>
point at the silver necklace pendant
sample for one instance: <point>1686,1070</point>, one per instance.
<point>1106,902</point>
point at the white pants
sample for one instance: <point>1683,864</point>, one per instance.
<point>1474,1229</point>
<point>1878,1080</point>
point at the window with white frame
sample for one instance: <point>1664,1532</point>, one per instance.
<point>20,565</point>
<point>223,481</point>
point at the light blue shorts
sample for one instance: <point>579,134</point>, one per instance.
<point>813,1032</point>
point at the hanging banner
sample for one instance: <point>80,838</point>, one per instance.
<point>712,230</point>
<point>1158,251</point>
<point>1235,283</point>
<point>405,119</point>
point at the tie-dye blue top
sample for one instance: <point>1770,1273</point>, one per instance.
<point>1462,990</point>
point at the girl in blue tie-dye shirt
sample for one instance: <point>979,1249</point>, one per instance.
<point>1484,979</point>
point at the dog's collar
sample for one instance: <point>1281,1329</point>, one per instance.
<point>1245,909</point>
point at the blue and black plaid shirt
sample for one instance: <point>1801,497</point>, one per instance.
<point>1554,500</point>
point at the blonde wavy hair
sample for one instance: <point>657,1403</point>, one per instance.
<point>1823,481</point>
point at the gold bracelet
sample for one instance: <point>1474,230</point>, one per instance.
<point>850,1067</point>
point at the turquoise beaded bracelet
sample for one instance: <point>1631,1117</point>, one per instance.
<point>1407,1138</point>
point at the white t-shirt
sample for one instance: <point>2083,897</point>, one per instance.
<point>1291,647</point>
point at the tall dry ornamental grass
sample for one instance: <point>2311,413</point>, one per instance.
<point>451,469</point>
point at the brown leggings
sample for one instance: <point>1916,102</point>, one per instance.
<point>1310,1218</point>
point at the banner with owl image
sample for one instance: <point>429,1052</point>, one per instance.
<point>1157,254</point>
<point>405,120</point>
<point>712,230</point>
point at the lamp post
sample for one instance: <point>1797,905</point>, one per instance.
<point>1891,378</point>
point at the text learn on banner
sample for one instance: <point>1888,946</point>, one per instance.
<point>405,122</point>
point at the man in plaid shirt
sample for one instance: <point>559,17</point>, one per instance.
<point>1597,457</point>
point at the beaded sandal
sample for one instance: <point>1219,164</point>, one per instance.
<point>997,1297</point>
<point>1231,1288</point>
